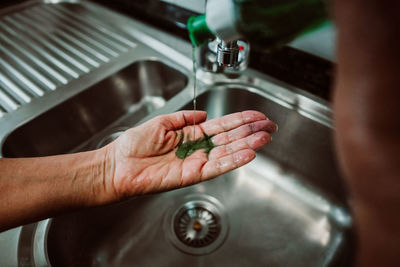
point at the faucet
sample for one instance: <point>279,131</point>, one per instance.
<point>219,56</point>
<point>219,51</point>
<point>228,53</point>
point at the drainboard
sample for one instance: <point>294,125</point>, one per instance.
<point>45,46</point>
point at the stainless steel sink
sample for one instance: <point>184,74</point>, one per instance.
<point>286,208</point>
<point>138,90</point>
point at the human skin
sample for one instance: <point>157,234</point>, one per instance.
<point>141,161</point>
<point>367,122</point>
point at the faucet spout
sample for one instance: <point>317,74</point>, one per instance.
<point>228,54</point>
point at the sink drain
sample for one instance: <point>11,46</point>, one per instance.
<point>198,226</point>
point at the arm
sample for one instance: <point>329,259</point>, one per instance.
<point>36,188</point>
<point>142,160</point>
<point>367,110</point>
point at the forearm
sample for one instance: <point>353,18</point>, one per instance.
<point>369,60</point>
<point>35,188</point>
<point>367,94</point>
<point>367,121</point>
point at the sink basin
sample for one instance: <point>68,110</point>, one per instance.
<point>286,208</point>
<point>138,90</point>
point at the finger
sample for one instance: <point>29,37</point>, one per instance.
<point>178,120</point>
<point>230,162</point>
<point>243,131</point>
<point>231,121</point>
<point>254,142</point>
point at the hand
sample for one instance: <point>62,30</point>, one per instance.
<point>143,159</point>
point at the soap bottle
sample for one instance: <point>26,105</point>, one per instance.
<point>264,23</point>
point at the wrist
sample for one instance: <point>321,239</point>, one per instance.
<point>102,173</point>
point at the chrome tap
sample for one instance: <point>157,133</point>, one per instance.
<point>221,51</point>
<point>223,57</point>
<point>228,54</point>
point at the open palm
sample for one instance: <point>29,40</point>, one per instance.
<point>145,161</point>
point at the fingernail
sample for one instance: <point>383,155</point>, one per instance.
<point>277,128</point>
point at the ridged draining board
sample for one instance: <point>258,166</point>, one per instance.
<point>45,46</point>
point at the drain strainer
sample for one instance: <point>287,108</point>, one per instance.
<point>196,227</point>
<point>199,226</point>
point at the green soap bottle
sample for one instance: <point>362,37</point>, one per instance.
<point>264,23</point>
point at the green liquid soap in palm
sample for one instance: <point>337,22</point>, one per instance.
<point>189,147</point>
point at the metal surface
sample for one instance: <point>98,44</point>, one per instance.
<point>199,226</point>
<point>286,208</point>
<point>196,226</point>
<point>139,89</point>
<point>44,46</point>
<point>220,57</point>
<point>228,54</point>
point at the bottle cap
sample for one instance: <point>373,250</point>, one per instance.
<point>199,32</point>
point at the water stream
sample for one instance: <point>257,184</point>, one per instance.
<point>194,89</point>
